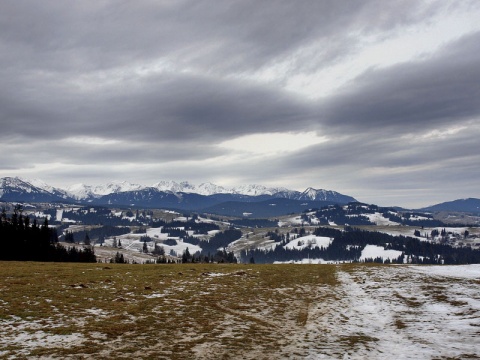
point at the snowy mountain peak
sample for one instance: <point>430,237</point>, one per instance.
<point>88,192</point>
<point>12,181</point>
<point>324,195</point>
<point>257,190</point>
<point>168,185</point>
<point>209,189</point>
<point>42,185</point>
<point>115,187</point>
<point>311,193</point>
<point>187,187</point>
<point>18,184</point>
<point>80,191</point>
<point>17,189</point>
<point>253,190</point>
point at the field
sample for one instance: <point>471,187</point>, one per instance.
<point>101,311</point>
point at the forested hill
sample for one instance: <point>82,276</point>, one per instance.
<point>348,245</point>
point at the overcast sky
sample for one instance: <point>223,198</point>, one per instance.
<point>379,99</point>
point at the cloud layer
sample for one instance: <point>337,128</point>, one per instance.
<point>95,91</point>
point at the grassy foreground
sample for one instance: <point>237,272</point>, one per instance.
<point>98,311</point>
<point>50,310</point>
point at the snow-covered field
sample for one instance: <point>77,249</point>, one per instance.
<point>240,311</point>
<point>132,244</point>
<point>406,312</point>
<point>373,251</point>
<point>309,241</point>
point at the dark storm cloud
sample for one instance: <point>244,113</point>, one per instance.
<point>191,108</point>
<point>163,109</point>
<point>240,35</point>
<point>65,41</point>
<point>419,95</point>
<point>379,150</point>
<point>104,154</point>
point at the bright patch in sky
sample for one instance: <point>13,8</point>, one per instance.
<point>414,43</point>
<point>90,140</point>
<point>273,143</point>
<point>441,134</point>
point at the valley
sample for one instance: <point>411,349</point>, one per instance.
<point>330,234</point>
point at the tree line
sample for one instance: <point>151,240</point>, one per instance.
<point>23,240</point>
<point>347,245</point>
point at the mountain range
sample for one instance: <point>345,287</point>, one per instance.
<point>167,194</point>
<point>256,200</point>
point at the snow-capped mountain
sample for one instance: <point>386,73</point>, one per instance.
<point>17,189</point>
<point>212,189</point>
<point>324,195</point>
<point>183,194</point>
<point>40,184</point>
<point>82,191</point>
<point>174,187</point>
<point>256,190</point>
<point>116,187</point>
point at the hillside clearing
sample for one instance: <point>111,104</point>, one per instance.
<point>238,311</point>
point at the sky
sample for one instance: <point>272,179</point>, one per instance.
<point>379,100</point>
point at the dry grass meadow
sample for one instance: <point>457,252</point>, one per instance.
<point>100,311</point>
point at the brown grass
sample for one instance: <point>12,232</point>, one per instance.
<point>155,311</point>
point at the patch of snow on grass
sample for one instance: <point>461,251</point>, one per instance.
<point>457,271</point>
<point>418,217</point>
<point>395,313</point>
<point>374,251</point>
<point>307,261</point>
<point>309,241</point>
<point>19,333</point>
<point>154,296</point>
<point>379,219</point>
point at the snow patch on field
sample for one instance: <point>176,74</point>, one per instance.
<point>379,219</point>
<point>28,336</point>
<point>456,271</point>
<point>307,261</point>
<point>131,242</point>
<point>400,312</point>
<point>374,251</point>
<point>309,241</point>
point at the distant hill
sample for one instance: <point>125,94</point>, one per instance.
<point>264,209</point>
<point>471,205</point>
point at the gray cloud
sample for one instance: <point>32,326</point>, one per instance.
<point>180,107</point>
<point>420,95</point>
<point>229,35</point>
<point>164,83</point>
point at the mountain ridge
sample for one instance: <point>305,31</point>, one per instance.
<point>187,196</point>
<point>170,192</point>
<point>463,205</point>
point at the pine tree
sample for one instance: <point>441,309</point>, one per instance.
<point>69,238</point>
<point>145,247</point>
<point>186,256</point>
<point>119,259</point>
